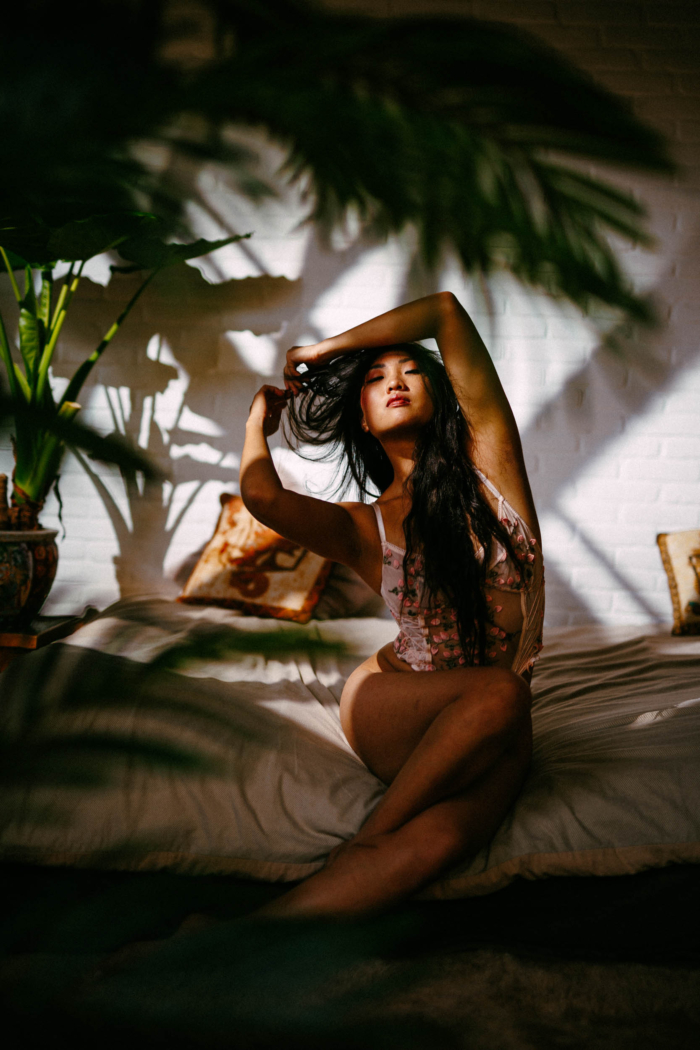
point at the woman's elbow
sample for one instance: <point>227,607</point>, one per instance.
<point>259,500</point>
<point>448,302</point>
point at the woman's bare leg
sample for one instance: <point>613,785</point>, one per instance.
<point>455,747</point>
<point>432,757</point>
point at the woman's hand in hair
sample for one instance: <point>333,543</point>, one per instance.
<point>304,356</point>
<point>267,408</point>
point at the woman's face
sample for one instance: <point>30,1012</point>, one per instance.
<point>395,398</point>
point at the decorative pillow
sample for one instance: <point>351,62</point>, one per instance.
<point>249,567</point>
<point>347,594</point>
<point>680,553</point>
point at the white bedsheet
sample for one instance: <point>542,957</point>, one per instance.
<point>614,785</point>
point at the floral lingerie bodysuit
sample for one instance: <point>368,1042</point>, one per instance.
<point>428,639</point>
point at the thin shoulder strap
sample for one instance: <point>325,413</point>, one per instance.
<point>380,522</point>
<point>493,490</point>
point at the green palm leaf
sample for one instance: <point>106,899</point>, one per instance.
<point>445,124</point>
<point>448,125</point>
<point>148,253</point>
<point>83,238</point>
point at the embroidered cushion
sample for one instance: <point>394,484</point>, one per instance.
<point>680,553</point>
<point>250,567</point>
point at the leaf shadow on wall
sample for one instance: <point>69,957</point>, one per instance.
<point>322,266</point>
<point>174,384</point>
<point>209,388</point>
<point>164,368</point>
<point>617,384</point>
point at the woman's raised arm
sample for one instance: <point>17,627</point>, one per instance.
<point>495,447</point>
<point>441,317</point>
<point>328,529</point>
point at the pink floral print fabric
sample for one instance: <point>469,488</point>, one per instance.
<point>428,639</point>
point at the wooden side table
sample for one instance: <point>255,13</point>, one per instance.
<point>41,631</point>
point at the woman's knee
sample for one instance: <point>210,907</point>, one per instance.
<point>503,704</point>
<point>511,695</point>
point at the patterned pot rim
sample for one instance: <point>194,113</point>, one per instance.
<point>28,536</point>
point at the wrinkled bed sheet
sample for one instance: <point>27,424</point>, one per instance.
<point>264,784</point>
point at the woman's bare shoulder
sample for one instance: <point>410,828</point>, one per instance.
<point>363,516</point>
<point>369,562</point>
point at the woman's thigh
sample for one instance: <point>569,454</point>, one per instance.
<point>385,713</point>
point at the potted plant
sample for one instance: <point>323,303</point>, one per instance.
<point>28,553</point>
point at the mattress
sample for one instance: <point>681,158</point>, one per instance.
<point>166,737</point>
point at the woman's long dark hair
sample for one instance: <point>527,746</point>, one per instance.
<point>448,510</point>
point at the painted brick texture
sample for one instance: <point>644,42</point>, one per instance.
<point>611,438</point>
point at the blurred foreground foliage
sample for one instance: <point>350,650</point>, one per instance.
<point>454,126</point>
<point>40,744</point>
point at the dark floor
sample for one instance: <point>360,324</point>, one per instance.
<point>100,957</point>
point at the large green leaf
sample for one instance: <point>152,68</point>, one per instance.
<point>152,253</point>
<point>6,357</point>
<point>83,238</point>
<point>17,262</point>
<point>31,341</point>
<point>44,301</point>
<point>29,300</point>
<point>22,384</point>
<point>28,434</point>
<point>25,238</point>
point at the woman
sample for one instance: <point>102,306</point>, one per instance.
<point>453,546</point>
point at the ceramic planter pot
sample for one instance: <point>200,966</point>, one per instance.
<point>28,563</point>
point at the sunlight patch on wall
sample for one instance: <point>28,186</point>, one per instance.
<point>146,422</point>
<point>97,411</point>
<point>257,352</point>
<point>179,497</point>
<point>310,477</point>
<point>276,220</point>
<point>369,281</point>
<point>159,349</point>
<point>199,507</point>
<point>96,269</point>
<point>537,344</point>
<point>201,453</point>
<point>197,424</point>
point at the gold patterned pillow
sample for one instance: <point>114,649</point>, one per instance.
<point>680,553</point>
<point>249,567</point>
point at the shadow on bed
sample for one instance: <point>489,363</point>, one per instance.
<point>164,954</point>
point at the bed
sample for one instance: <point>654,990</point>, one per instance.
<point>168,769</point>
<point>194,740</point>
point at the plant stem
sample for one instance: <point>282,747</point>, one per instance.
<point>75,385</point>
<point>6,355</point>
<point>10,271</point>
<point>62,295</point>
<point>46,463</point>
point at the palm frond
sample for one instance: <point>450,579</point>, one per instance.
<point>447,125</point>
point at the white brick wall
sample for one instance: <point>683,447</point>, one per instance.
<point>612,440</point>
